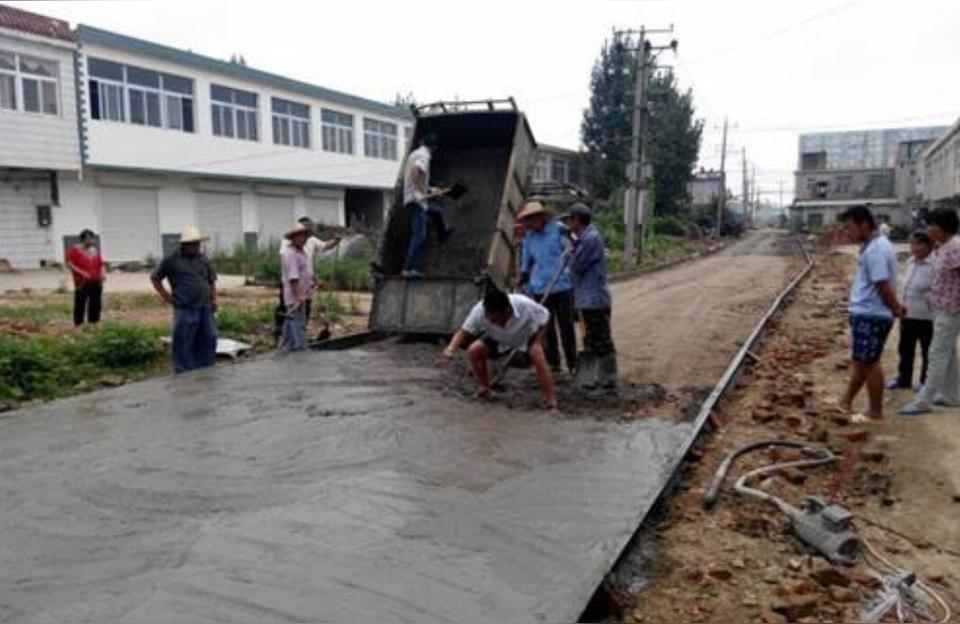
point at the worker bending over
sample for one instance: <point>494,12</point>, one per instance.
<point>499,324</point>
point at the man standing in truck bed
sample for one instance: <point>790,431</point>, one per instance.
<point>416,195</point>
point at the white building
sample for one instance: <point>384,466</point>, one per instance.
<point>941,170</point>
<point>39,134</point>
<point>168,138</point>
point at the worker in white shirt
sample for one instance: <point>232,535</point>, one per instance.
<point>499,324</point>
<point>417,193</point>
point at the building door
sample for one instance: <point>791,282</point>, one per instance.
<point>275,214</point>
<point>219,217</point>
<point>128,224</point>
<point>23,242</point>
<point>324,211</point>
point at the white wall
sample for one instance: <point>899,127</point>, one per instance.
<point>38,140</point>
<point>80,202</point>
<point>127,145</point>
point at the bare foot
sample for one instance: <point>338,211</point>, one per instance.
<point>484,392</point>
<point>842,406</point>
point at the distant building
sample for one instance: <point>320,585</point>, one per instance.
<point>941,170</point>
<point>39,133</point>
<point>558,164</point>
<point>166,138</point>
<point>837,170</point>
<point>704,188</point>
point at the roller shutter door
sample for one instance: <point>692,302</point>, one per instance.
<point>219,217</point>
<point>128,224</point>
<point>325,211</point>
<point>23,243</point>
<point>275,214</point>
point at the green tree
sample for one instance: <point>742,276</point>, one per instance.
<point>606,126</point>
<point>673,142</point>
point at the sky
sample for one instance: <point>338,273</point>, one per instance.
<point>773,68</point>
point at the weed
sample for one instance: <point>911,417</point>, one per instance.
<point>117,346</point>
<point>28,369</point>
<point>237,322</point>
<point>330,307</point>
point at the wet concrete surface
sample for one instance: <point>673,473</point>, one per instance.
<point>328,486</point>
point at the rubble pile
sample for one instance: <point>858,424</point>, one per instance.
<point>740,561</point>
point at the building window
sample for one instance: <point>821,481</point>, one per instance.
<point>541,169</point>
<point>291,123</point>
<point>813,161</point>
<point>814,219</point>
<point>842,184</point>
<point>337,131</point>
<point>28,83</point>
<point>8,80</point>
<point>558,170</point>
<point>379,139</point>
<point>234,113</point>
<point>139,96</point>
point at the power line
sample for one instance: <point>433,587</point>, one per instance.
<point>713,56</point>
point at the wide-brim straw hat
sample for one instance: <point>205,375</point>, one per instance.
<point>298,228</point>
<point>531,209</point>
<point>191,234</point>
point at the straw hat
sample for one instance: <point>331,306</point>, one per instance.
<point>298,228</point>
<point>191,234</point>
<point>531,209</point>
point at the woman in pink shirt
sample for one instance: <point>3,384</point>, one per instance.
<point>943,378</point>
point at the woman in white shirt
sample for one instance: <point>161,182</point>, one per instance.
<point>917,325</point>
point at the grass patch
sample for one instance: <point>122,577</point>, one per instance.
<point>36,314</point>
<point>45,367</point>
<point>263,265</point>
<point>236,322</point>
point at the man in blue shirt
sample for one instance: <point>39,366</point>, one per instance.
<point>873,306</point>
<point>194,300</point>
<point>543,258</point>
<point>592,298</point>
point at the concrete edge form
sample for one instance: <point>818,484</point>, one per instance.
<point>722,388</point>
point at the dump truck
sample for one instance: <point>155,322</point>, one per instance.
<point>487,149</point>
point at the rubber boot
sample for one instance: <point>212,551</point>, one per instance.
<point>588,371</point>
<point>607,376</point>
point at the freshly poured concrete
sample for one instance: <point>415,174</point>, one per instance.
<point>337,486</point>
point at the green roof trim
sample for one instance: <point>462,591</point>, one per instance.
<point>91,34</point>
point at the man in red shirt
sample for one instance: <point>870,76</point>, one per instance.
<point>88,276</point>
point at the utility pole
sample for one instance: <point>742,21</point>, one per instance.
<point>635,168</point>
<point>636,192</point>
<point>756,194</point>
<point>745,196</point>
<point>781,193</point>
<point>722,200</point>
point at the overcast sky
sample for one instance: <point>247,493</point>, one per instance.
<point>773,67</point>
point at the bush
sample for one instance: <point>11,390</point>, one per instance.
<point>118,346</point>
<point>236,321</point>
<point>669,226</point>
<point>344,274</point>
<point>28,369</point>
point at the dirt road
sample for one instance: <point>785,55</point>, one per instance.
<point>680,327</point>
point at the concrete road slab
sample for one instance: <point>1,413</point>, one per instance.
<point>333,486</point>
